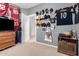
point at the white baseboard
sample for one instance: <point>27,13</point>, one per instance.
<point>46,44</point>
<point>42,43</point>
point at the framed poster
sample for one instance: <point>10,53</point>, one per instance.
<point>4,9</point>
<point>15,15</point>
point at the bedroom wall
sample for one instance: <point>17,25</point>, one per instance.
<point>58,29</point>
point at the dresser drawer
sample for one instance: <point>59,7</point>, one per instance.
<point>6,45</point>
<point>7,33</point>
<point>7,40</point>
<point>71,49</point>
<point>6,37</point>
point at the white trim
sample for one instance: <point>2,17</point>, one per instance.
<point>34,39</point>
<point>23,20</point>
<point>46,44</point>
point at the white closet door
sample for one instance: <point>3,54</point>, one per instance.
<point>25,27</point>
<point>32,27</point>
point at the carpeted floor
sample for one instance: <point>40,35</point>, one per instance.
<point>31,49</point>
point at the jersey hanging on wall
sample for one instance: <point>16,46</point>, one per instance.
<point>64,17</point>
<point>77,18</point>
<point>15,15</point>
<point>76,7</point>
<point>4,9</point>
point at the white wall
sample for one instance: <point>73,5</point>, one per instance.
<point>25,11</point>
<point>41,6</point>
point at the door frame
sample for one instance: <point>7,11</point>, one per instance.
<point>25,25</point>
<point>34,40</point>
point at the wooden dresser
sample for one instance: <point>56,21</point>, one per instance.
<point>7,39</point>
<point>67,45</point>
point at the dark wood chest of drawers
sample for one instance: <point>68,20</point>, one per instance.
<point>68,45</point>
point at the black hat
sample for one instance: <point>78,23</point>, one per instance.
<point>48,24</point>
<point>40,12</point>
<point>48,16</point>
<point>46,10</point>
<point>43,11</point>
<point>51,10</point>
<point>45,16</point>
<point>37,13</point>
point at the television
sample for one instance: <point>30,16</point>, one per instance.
<point>6,24</point>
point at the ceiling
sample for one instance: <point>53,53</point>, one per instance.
<point>26,5</point>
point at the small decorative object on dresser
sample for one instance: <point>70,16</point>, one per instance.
<point>7,39</point>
